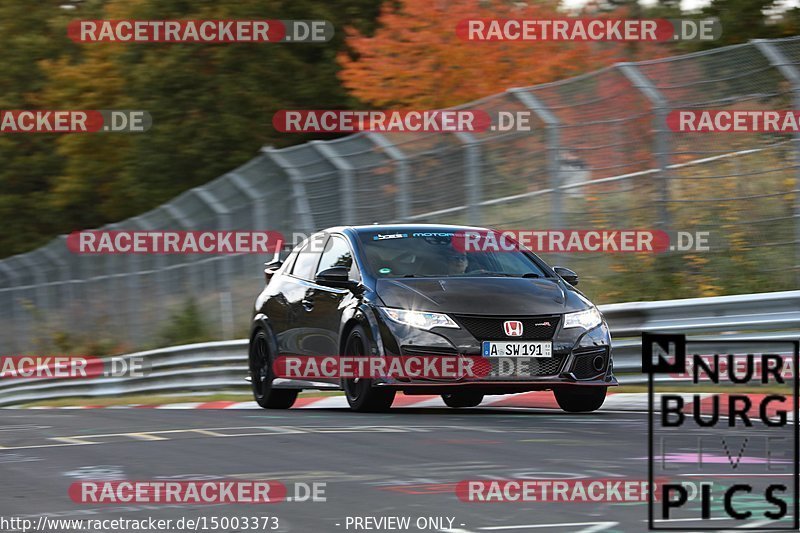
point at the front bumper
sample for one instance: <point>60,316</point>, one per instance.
<point>579,358</point>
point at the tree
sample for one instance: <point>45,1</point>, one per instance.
<point>415,58</point>
<point>211,106</point>
<point>28,161</point>
<point>741,20</point>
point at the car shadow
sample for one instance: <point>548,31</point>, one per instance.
<point>473,411</point>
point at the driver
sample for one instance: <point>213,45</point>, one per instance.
<point>457,263</point>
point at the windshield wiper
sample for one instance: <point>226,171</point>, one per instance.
<point>507,275</point>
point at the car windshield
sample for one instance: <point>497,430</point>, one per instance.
<point>397,254</point>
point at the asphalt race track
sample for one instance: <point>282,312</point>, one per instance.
<point>403,463</point>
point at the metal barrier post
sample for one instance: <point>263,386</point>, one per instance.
<point>345,171</point>
<point>261,219</point>
<point>660,107</point>
<point>305,220</point>
<point>225,296</point>
<point>401,177</point>
<point>12,276</point>
<point>552,129</point>
<point>472,164</point>
<point>63,267</point>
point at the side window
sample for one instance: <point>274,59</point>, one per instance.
<point>337,253</point>
<point>307,258</point>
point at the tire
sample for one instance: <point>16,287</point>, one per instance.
<point>579,399</point>
<point>261,376</point>
<point>361,395</point>
<point>462,399</point>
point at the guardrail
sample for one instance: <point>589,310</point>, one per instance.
<point>222,366</point>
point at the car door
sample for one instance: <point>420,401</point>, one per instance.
<point>329,302</point>
<point>273,302</point>
<point>301,337</point>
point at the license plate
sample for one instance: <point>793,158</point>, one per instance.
<point>517,349</point>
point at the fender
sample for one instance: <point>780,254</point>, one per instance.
<point>365,316</point>
<point>260,320</point>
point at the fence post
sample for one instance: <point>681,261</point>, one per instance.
<point>225,296</point>
<point>260,214</point>
<point>789,71</point>
<point>39,296</point>
<point>345,171</point>
<point>40,280</point>
<point>11,276</point>
<point>472,164</point>
<point>661,109</point>
<point>162,270</point>
<point>134,288</point>
<point>63,268</point>
<point>110,319</point>
<point>401,177</point>
<point>305,219</point>
<point>261,219</point>
<point>553,132</point>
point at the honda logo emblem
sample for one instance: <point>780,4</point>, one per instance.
<point>513,328</point>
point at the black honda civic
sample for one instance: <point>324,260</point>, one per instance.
<point>413,290</point>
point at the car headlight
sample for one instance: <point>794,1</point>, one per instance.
<point>420,319</point>
<point>583,319</point>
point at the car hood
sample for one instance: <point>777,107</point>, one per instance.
<point>484,295</point>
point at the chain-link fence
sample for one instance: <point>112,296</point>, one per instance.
<point>598,156</point>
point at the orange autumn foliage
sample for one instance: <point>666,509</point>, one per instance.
<point>416,60</point>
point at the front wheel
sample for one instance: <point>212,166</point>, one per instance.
<point>361,395</point>
<point>261,376</point>
<point>462,399</point>
<point>580,399</point>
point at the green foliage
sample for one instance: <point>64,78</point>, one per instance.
<point>211,105</point>
<point>185,326</point>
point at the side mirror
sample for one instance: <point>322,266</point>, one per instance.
<point>337,276</point>
<point>568,275</point>
<point>270,268</point>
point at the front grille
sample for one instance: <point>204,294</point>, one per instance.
<point>583,367</point>
<point>490,328</point>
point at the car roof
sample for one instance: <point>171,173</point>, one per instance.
<point>373,228</point>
